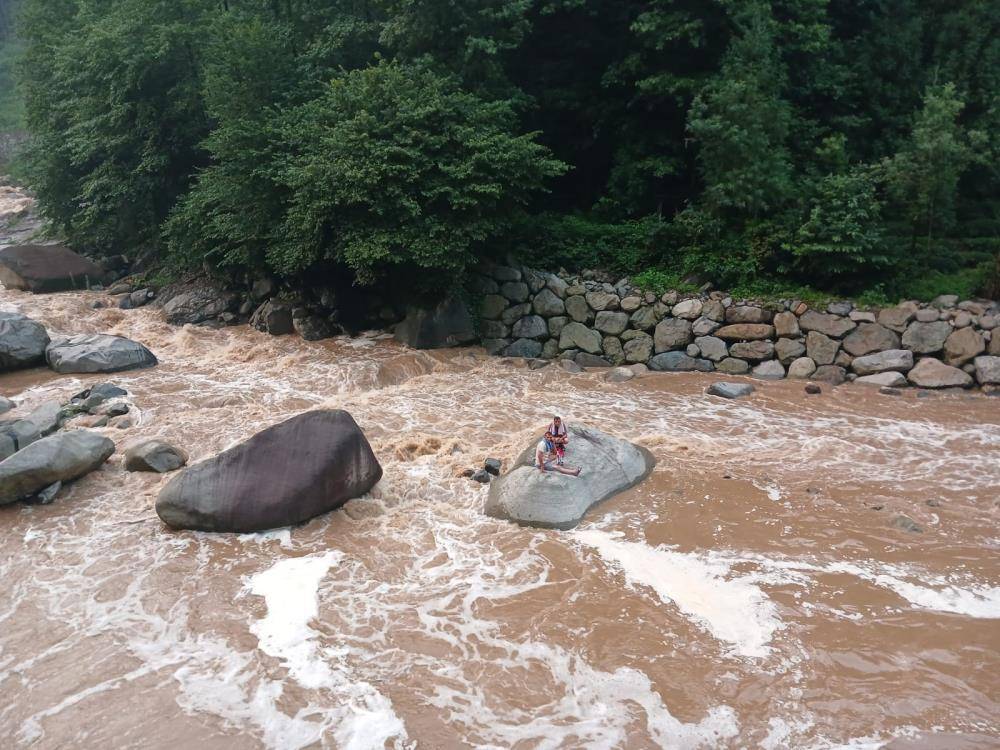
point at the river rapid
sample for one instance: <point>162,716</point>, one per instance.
<point>753,592</point>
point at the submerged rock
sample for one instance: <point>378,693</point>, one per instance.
<point>22,342</point>
<point>47,268</point>
<point>286,474</point>
<point>154,455</point>
<point>448,324</point>
<point>57,458</point>
<point>531,497</point>
<point>98,353</point>
<point>729,390</point>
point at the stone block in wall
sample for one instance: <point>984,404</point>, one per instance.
<point>787,325</point>
<point>704,326</point>
<point>527,348</point>
<point>962,345</point>
<point>514,313</point>
<point>787,350</point>
<point>868,338</point>
<point>631,304</point>
<point>832,374</point>
<point>613,351</point>
<point>556,285</point>
<point>611,323</point>
<point>679,362</point>
<point>712,348</point>
<point>746,332</point>
<point>896,318</point>
<point>821,348</point>
<point>801,368</point>
<point>987,370</point>
<point>515,291</point>
<point>926,338</point>
<point>547,304</point>
<point>577,336</point>
<point>899,360</point>
<point>493,329</point>
<point>578,309</point>
<point>556,325</point>
<point>689,309</point>
<point>492,306</point>
<point>833,326</point>
<point>932,373</point>
<point>772,369</point>
<point>505,273</point>
<point>531,327</point>
<point>713,309</point>
<point>733,366</point>
<point>748,314</point>
<point>647,316</point>
<point>752,351</point>
<point>602,300</point>
<point>638,348</point>
<point>672,333</point>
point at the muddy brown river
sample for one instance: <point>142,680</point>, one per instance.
<point>752,593</point>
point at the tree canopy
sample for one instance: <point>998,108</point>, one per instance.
<point>847,146</point>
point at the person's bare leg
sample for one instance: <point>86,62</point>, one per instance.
<point>565,470</point>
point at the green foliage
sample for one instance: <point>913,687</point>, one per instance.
<point>578,241</point>
<point>659,281</point>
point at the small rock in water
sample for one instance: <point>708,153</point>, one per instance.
<point>492,465</point>
<point>116,410</point>
<point>538,364</point>
<point>570,366</point>
<point>466,473</point>
<point>48,495</point>
<point>620,375</point>
<point>934,502</point>
<point>813,389</point>
<point>482,476</point>
<point>6,405</point>
<point>729,390</point>
<point>905,523</point>
<point>154,455</point>
<point>889,391</point>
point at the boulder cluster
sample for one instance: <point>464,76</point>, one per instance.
<point>596,323</point>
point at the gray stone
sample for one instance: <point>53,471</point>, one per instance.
<point>482,285</point>
<point>820,348</point>
<point>961,320</point>
<point>905,523</point>
<point>492,466</point>
<point>556,285</point>
<point>6,405</point>
<point>989,322</point>
<point>714,310</point>
<point>515,291</point>
<point>801,368</point>
<point>843,359</point>
<point>888,379</point>
<point>868,338</point>
<point>896,318</point>
<point>495,346</point>
<point>926,338</point>
<point>631,304</point>
<point>505,273</point>
<point>963,345</point>
<point>900,360</point>
<point>556,325</point>
<point>770,370</point>
<point>578,309</point>
<point>733,366</point>
<point>551,350</point>
<point>576,290</point>
<point>646,317</point>
<point>449,324</point>
<point>704,326</point>
<point>611,323</point>
<point>722,389</point>
<point>860,316</point>
<point>154,455</point>
<point>832,374</point>
<point>748,314</point>
<point>672,333</point>
<point>812,389</point>
<point>538,364</point>
<point>570,366</point>
<point>688,309</point>
<point>97,353</point>
<point>932,373</point>
<point>840,308</point>
<point>787,325</point>
<point>46,268</point>
<point>58,458</point>
<point>46,417</point>
<point>832,326</point>
<point>613,351</point>
<point>534,280</point>
<point>602,301</point>
<point>315,328</point>
<point>585,359</point>
<point>577,336</point>
<point>692,350</point>
<point>493,329</point>
<point>198,305</point>
<point>945,300</point>
<point>526,348</point>
<point>273,317</point>
<point>46,496</point>
<point>638,348</point>
<point>531,327</point>
<point>22,342</point>
<point>712,348</point>
<point>531,497</point>
<point>15,435</point>
<point>619,375</point>
<point>492,306</point>
<point>514,313</point>
<point>746,332</point>
<point>987,370</point>
<point>787,350</point>
<point>547,304</point>
<point>679,362</point>
<point>753,351</point>
<point>324,459</point>
<point>928,315</point>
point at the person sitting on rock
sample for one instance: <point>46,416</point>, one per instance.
<point>545,459</point>
<point>559,437</point>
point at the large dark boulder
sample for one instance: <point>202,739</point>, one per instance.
<point>97,353</point>
<point>16,434</point>
<point>287,474</point>
<point>196,305</point>
<point>22,342</point>
<point>47,268</point>
<point>550,500</point>
<point>448,324</point>
<point>57,458</point>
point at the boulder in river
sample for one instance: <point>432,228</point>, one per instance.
<point>57,458</point>
<point>97,353</point>
<point>448,324</point>
<point>932,373</point>
<point>15,435</point>
<point>531,497</point>
<point>154,455</point>
<point>286,474</point>
<point>22,342</point>
<point>46,268</point>
<point>724,389</point>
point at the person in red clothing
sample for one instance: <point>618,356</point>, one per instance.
<point>559,437</point>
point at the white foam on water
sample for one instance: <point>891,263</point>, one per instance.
<point>281,536</point>
<point>289,588</point>
<point>732,609</point>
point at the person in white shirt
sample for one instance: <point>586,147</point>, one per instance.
<point>545,459</point>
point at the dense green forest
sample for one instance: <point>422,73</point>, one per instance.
<point>846,146</point>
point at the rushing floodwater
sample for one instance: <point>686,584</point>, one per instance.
<point>751,593</point>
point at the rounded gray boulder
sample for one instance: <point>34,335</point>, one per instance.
<point>98,353</point>
<point>550,500</point>
<point>154,455</point>
<point>307,465</point>
<point>57,458</point>
<point>22,342</point>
